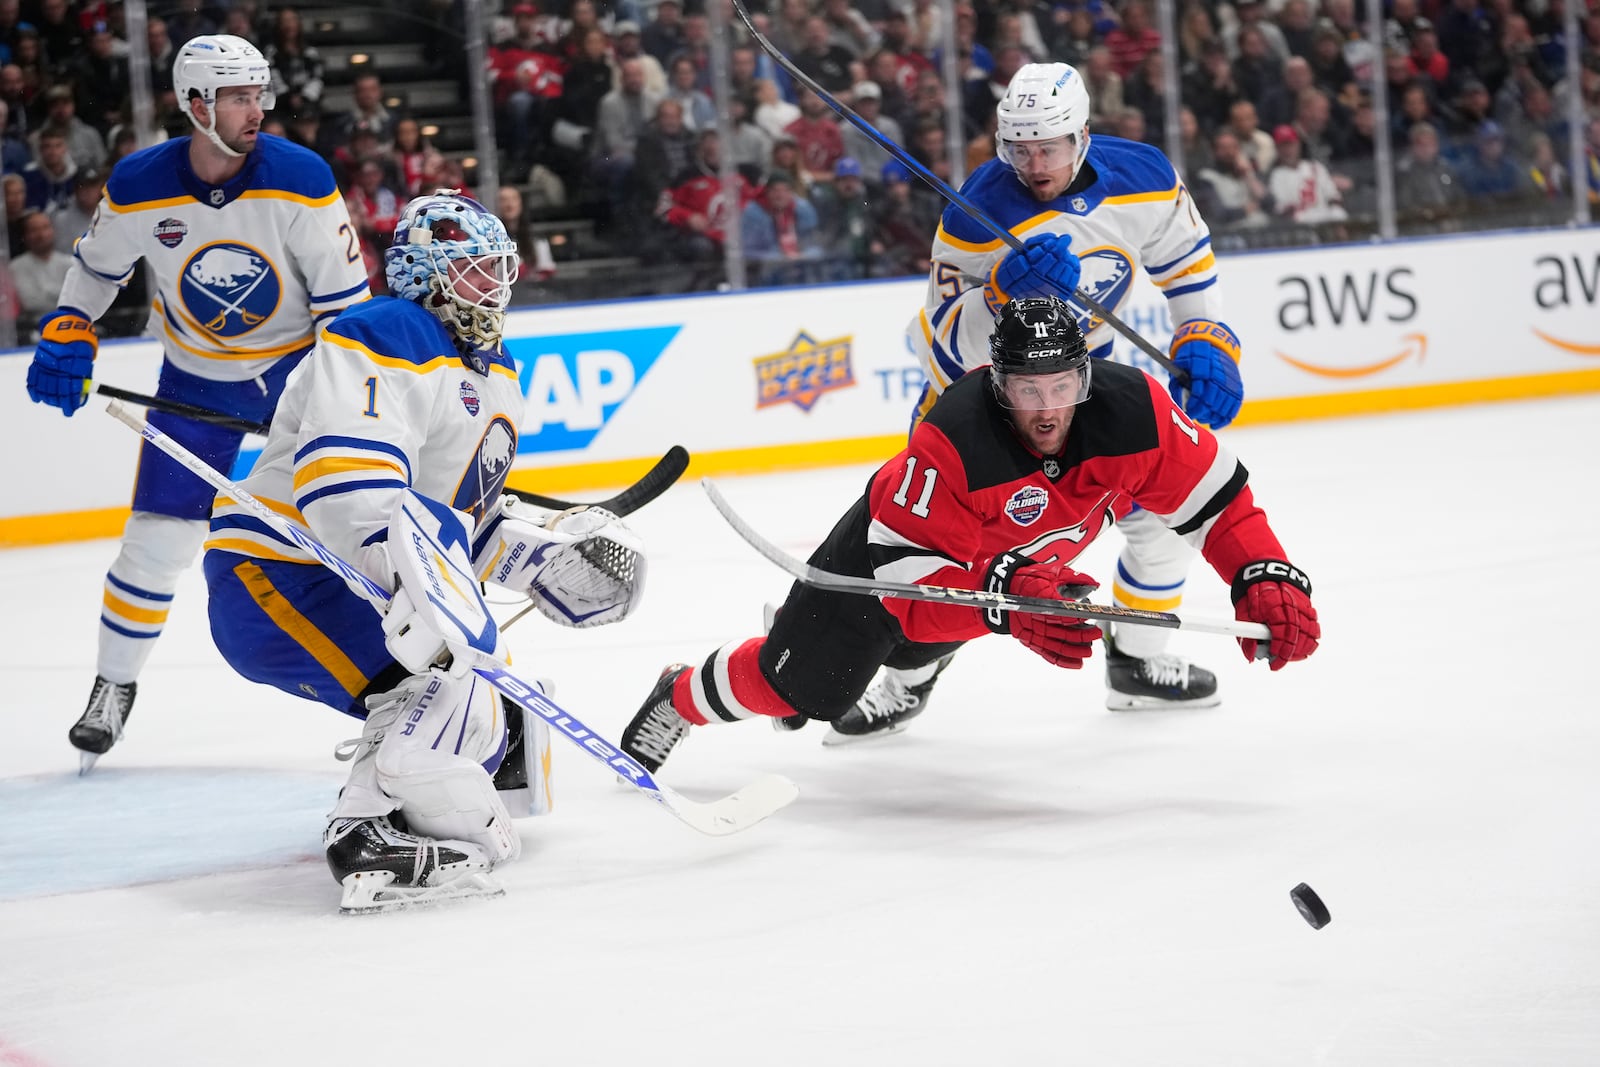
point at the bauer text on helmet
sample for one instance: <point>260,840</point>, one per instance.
<point>1042,131</point>
<point>214,62</point>
<point>453,256</point>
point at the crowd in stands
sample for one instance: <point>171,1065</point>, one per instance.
<point>606,109</point>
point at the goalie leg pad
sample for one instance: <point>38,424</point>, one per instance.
<point>523,780</point>
<point>1151,571</point>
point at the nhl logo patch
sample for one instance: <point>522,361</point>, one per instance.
<point>171,232</point>
<point>469,398</point>
<point>1026,505</point>
<point>1079,204</point>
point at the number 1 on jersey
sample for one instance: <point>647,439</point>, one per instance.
<point>372,398</point>
<point>929,476</point>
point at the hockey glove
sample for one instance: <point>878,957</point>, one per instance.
<point>1044,267</point>
<point>1277,595</point>
<point>1209,353</point>
<point>64,361</point>
<point>581,567</point>
<point>1064,642</point>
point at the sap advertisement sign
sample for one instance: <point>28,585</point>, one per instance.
<point>575,382</point>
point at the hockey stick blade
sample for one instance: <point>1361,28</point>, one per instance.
<point>657,480</point>
<point>844,583</point>
<point>177,407</point>
<point>732,813</point>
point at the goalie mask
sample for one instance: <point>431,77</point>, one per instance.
<point>1038,357</point>
<point>217,61</point>
<point>1044,111</point>
<point>453,256</point>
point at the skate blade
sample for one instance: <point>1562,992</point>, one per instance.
<point>86,762</point>
<point>373,892</point>
<point>834,737</point>
<point>1116,701</point>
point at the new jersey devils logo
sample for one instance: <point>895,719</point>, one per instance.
<point>1063,544</point>
<point>229,288</point>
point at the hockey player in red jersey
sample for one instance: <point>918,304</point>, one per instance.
<point>1016,469</point>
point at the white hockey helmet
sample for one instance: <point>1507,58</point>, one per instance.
<point>1043,102</point>
<point>211,62</point>
<point>447,237</point>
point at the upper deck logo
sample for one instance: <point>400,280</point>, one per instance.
<point>229,288</point>
<point>171,232</point>
<point>803,372</point>
<point>1026,505</point>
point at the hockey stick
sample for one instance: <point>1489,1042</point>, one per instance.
<point>737,811</point>
<point>657,480</point>
<point>844,583</point>
<point>944,189</point>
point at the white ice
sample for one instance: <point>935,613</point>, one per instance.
<point>1022,877</point>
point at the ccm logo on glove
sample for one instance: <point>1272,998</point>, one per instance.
<point>1277,594</point>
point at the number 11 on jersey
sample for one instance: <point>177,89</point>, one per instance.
<point>929,476</point>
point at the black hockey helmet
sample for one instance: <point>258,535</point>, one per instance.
<point>1034,337</point>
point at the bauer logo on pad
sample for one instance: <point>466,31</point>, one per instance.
<point>803,372</point>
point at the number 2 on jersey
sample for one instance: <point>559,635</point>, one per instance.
<point>929,476</point>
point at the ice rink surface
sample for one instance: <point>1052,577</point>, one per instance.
<point>1021,877</point>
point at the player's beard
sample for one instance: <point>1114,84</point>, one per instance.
<point>1031,427</point>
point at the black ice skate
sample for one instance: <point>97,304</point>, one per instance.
<point>656,730</point>
<point>383,866</point>
<point>885,708</point>
<point>101,724</point>
<point>1158,682</point>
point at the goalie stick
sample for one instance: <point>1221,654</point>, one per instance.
<point>729,815</point>
<point>845,583</point>
<point>942,187</point>
<point>657,480</point>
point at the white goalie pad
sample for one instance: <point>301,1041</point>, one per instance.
<point>581,567</point>
<point>437,617</point>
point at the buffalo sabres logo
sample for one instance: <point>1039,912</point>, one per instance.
<point>490,466</point>
<point>1107,276</point>
<point>1026,505</point>
<point>229,288</point>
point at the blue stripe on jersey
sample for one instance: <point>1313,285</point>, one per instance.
<point>1128,579</point>
<point>319,298</point>
<point>343,443</point>
<point>117,279</point>
<point>1195,288</point>
<point>302,502</point>
<point>143,594</point>
<point>395,328</point>
<point>125,632</point>
<point>251,524</point>
<point>376,536</point>
<point>1164,267</point>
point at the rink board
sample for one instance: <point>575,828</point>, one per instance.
<point>784,379</point>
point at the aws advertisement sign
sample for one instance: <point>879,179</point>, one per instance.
<point>1354,326</point>
<point>576,382</point>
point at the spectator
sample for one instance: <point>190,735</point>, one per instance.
<point>101,79</point>
<point>1251,16</point>
<point>666,149</point>
<point>72,221</point>
<point>901,225</point>
<point>623,117</point>
<point>744,63</point>
<point>29,58</point>
<point>379,202</point>
<point>15,155</point>
<point>1329,70</point>
<point>1297,20</point>
<point>362,147</point>
<point>1463,121</point>
<point>1320,139</point>
<point>1146,91</point>
<point>1489,173</point>
<point>897,65</point>
<point>162,53</point>
<point>856,144</point>
<point>1229,192</point>
<point>1425,59</point>
<point>929,147</point>
<point>1301,190</point>
<point>779,233</point>
<point>527,80</point>
<point>124,141</point>
<point>1194,146</point>
<point>1548,177</point>
<point>1255,144</point>
<point>626,44</point>
<point>1427,188</point>
<point>752,145</point>
<point>1255,69</point>
<point>844,220</point>
<point>586,82</point>
<point>60,32</point>
<point>1196,34</point>
<point>823,59</point>
<point>367,109</point>
<point>1281,101</point>
<point>1105,87</point>
<point>696,47</point>
<point>38,272</point>
<point>981,96</point>
<point>10,27</point>
<point>85,144</point>
<point>50,175</point>
<point>849,29</point>
<point>1017,28</point>
<point>1535,116</point>
<point>191,20</point>
<point>414,156</point>
<point>773,112</point>
<point>297,67</point>
<point>973,59</point>
<point>15,95</point>
<point>1074,36</point>
<point>534,260</point>
<point>582,17</point>
<point>699,113</point>
<point>1469,38</point>
<point>16,194</point>
<point>664,38</point>
<point>1355,168</point>
<point>981,148</point>
<point>1416,108</point>
<point>1210,88</point>
<point>786,161</point>
<point>1129,125</point>
<point>1133,40</point>
<point>816,131</point>
<point>695,208</point>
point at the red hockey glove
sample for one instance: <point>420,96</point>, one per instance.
<point>1064,642</point>
<point>1277,595</point>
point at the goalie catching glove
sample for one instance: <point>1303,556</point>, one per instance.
<point>580,567</point>
<point>1064,642</point>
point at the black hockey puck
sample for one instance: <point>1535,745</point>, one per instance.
<point>1310,906</point>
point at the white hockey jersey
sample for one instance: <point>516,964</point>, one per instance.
<point>1134,214</point>
<point>384,402</point>
<point>244,272</point>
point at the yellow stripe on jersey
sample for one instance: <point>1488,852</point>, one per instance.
<point>300,628</point>
<point>258,549</point>
<point>297,345</point>
<point>127,611</point>
<point>933,361</point>
<point>989,246</point>
<point>349,344</point>
<point>1207,263</point>
<point>284,194</point>
<point>1128,598</point>
<point>1143,198</point>
<point>148,205</point>
<point>323,468</point>
<point>287,511</point>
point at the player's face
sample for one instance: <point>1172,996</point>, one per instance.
<point>481,281</point>
<point>1045,167</point>
<point>240,111</point>
<point>1041,407</point>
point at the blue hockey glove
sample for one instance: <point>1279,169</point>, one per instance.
<point>64,361</point>
<point>1209,352</point>
<point>1044,267</point>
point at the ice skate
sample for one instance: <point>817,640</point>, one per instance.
<point>887,707</point>
<point>101,724</point>
<point>656,730</point>
<point>383,867</point>
<point>1163,681</point>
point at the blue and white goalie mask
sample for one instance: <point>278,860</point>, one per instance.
<point>453,256</point>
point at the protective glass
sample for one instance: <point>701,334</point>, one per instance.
<point>1046,155</point>
<point>1042,392</point>
<point>241,101</point>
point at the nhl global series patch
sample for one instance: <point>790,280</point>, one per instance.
<point>469,398</point>
<point>171,232</point>
<point>1026,505</point>
<point>803,372</point>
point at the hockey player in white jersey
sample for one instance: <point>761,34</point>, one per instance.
<point>409,405</point>
<point>1090,213</point>
<point>251,248</point>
